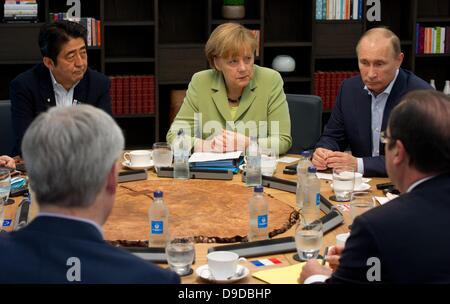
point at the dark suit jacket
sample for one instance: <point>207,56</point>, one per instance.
<point>39,252</point>
<point>32,93</point>
<point>410,236</point>
<point>350,123</point>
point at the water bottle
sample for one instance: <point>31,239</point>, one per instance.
<point>302,170</point>
<point>258,210</point>
<point>253,169</point>
<point>181,152</point>
<point>158,216</point>
<point>432,84</point>
<point>311,204</point>
<point>447,88</point>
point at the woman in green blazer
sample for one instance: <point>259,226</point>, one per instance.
<point>235,99</point>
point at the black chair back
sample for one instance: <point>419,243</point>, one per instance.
<point>306,121</point>
<point>6,132</point>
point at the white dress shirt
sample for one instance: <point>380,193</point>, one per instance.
<point>63,97</point>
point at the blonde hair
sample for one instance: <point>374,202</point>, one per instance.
<point>229,39</point>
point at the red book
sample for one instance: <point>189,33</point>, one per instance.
<point>139,100</point>
<point>119,94</point>
<point>112,94</point>
<point>133,95</point>
<point>99,34</point>
<point>126,94</point>
<point>421,39</point>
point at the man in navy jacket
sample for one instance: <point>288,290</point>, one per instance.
<point>364,104</point>
<point>62,79</point>
<point>71,155</point>
<point>405,240</point>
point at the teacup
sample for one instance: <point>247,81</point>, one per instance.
<point>138,157</point>
<point>358,180</point>
<point>223,264</point>
<point>342,238</point>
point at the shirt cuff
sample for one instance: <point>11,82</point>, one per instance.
<point>316,278</point>
<point>360,168</point>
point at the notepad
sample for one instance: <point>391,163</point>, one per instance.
<point>280,275</point>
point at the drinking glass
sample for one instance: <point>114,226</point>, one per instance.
<point>268,161</point>
<point>343,183</point>
<point>162,155</point>
<point>308,239</point>
<point>361,202</point>
<point>5,188</point>
<point>180,253</point>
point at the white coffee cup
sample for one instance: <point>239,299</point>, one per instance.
<point>223,264</point>
<point>138,157</point>
<point>358,180</point>
<point>342,238</point>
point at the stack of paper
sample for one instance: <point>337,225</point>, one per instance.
<point>280,275</point>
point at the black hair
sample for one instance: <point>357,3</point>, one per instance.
<point>421,122</point>
<point>53,36</point>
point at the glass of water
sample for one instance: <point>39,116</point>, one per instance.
<point>343,183</point>
<point>5,188</point>
<point>308,239</point>
<point>162,155</point>
<point>361,202</point>
<point>180,253</point>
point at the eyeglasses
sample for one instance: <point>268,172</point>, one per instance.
<point>384,138</point>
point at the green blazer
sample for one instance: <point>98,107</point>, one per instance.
<point>262,111</point>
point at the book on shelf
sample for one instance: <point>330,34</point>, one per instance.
<point>257,34</point>
<point>327,84</point>
<point>432,40</point>
<point>132,94</point>
<point>20,11</point>
<point>338,9</point>
<point>93,27</point>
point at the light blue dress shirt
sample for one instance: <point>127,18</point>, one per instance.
<point>63,97</point>
<point>378,105</point>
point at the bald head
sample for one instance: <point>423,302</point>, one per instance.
<point>379,35</point>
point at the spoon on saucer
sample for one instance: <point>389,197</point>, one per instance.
<point>238,273</point>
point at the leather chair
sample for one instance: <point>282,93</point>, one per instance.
<point>306,121</point>
<point>6,131</point>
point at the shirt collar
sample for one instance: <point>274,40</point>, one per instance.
<point>417,183</point>
<point>388,88</point>
<point>57,84</point>
<point>73,218</point>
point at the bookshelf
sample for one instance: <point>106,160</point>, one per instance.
<point>166,38</point>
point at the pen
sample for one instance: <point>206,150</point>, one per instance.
<point>324,256</point>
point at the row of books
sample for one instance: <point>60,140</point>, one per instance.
<point>327,84</point>
<point>20,10</point>
<point>133,94</point>
<point>93,27</point>
<point>339,9</point>
<point>432,40</point>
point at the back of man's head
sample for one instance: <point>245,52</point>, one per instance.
<point>422,123</point>
<point>69,152</point>
<point>53,36</point>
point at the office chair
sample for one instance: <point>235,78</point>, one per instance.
<point>6,132</point>
<point>306,121</point>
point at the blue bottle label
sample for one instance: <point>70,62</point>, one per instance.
<point>262,221</point>
<point>7,223</point>
<point>317,199</point>
<point>157,227</point>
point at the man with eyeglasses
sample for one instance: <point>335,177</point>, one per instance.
<point>403,240</point>
<point>62,79</point>
<point>364,104</point>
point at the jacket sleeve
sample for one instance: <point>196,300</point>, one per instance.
<point>186,115</point>
<point>375,166</point>
<point>334,136</point>
<point>354,264</point>
<point>278,112</point>
<point>22,113</point>
<point>104,100</point>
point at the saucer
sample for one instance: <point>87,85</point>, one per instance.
<point>361,187</point>
<point>204,273</point>
<point>127,164</point>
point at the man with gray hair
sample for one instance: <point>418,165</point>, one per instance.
<point>71,156</point>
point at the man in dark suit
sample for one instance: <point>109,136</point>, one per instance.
<point>71,155</point>
<point>364,104</point>
<point>62,79</point>
<point>405,240</point>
